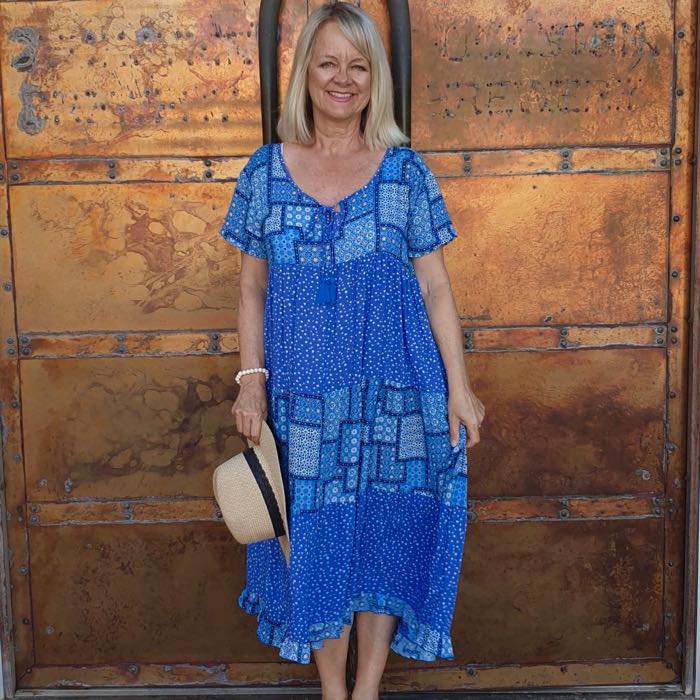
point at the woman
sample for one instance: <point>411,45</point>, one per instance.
<point>346,302</point>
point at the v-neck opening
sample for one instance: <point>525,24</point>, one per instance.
<point>340,202</point>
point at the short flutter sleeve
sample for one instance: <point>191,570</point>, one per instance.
<point>243,226</point>
<point>429,224</point>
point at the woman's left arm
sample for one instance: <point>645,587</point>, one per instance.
<point>463,405</point>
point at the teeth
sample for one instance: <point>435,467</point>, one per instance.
<point>340,94</point>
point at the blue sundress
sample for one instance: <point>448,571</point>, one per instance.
<point>357,402</point>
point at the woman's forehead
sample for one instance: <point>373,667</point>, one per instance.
<point>330,41</point>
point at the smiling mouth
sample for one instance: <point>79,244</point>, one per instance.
<point>340,96</point>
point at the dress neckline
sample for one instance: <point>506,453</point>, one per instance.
<point>340,202</point>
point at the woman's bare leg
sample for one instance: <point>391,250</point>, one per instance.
<point>331,661</point>
<point>374,634</point>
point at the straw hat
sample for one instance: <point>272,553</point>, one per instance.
<point>249,490</point>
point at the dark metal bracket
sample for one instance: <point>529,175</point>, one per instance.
<point>268,40</point>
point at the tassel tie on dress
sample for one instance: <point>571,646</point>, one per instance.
<point>327,289</point>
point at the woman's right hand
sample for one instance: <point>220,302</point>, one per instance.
<point>250,407</point>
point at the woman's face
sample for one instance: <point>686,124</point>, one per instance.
<point>338,76</point>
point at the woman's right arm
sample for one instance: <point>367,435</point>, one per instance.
<point>250,406</point>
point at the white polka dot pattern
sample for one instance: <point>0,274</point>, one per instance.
<point>357,399</point>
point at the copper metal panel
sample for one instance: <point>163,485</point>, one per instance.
<point>102,592</point>
<point>117,428</point>
<point>178,343</point>
<point>484,509</point>
<point>634,673</point>
<point>541,72</point>
<point>132,78</point>
<point>586,248</point>
<point>129,593</point>
<point>583,422</point>
<point>538,592</point>
<point>138,257</point>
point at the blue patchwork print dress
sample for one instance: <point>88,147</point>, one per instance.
<point>357,402</point>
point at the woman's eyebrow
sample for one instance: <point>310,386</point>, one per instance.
<point>357,58</point>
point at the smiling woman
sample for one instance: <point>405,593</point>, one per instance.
<point>372,452</point>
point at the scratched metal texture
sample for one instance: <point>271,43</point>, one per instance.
<point>560,133</point>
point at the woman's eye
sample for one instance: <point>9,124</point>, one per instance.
<point>359,67</point>
<point>326,64</point>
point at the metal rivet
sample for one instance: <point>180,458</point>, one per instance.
<point>663,163</point>
<point>680,34</point>
<point>674,273</point>
<point>676,217</point>
<point>679,92</point>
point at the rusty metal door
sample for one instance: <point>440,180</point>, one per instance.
<point>562,134</point>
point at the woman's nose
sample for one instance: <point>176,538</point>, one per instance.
<point>342,76</point>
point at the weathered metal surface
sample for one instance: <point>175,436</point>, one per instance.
<point>113,595</point>
<point>133,511</point>
<point>125,170</point>
<point>679,633</point>
<point>540,250</point>
<point>528,589</point>
<point>553,160</point>
<point>138,257</point>
<point>571,274</point>
<point>116,428</point>
<point>580,422</point>
<point>541,72</point>
<point>686,525</point>
<point>37,345</point>
<point>90,77</point>
<point>153,259</point>
<point>15,639</point>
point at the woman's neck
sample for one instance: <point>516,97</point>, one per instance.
<point>337,139</point>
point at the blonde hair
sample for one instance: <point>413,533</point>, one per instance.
<point>377,123</point>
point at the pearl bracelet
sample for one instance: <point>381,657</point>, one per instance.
<point>241,372</point>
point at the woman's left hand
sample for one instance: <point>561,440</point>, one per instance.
<point>464,407</point>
